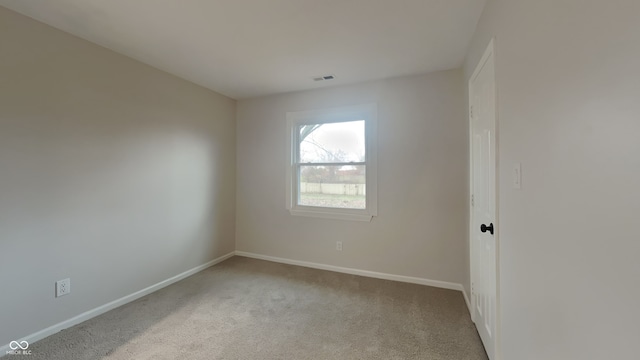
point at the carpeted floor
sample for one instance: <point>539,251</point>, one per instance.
<point>252,309</point>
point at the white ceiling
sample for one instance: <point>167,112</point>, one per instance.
<point>248,48</point>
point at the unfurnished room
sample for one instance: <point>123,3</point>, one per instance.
<point>319,179</point>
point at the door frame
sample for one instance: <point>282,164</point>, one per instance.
<point>489,53</point>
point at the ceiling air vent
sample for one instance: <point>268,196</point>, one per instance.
<point>324,77</point>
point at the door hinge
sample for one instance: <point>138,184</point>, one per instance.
<point>472,201</point>
<point>471,111</point>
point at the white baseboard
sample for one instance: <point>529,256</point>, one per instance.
<point>372,274</point>
<point>113,304</point>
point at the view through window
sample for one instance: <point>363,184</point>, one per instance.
<point>331,165</point>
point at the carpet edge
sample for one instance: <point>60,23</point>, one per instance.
<point>366,273</point>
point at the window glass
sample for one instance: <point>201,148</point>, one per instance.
<point>332,142</point>
<point>341,186</point>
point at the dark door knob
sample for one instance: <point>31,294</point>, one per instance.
<point>484,228</point>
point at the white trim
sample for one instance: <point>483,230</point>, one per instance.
<point>113,304</point>
<point>367,112</point>
<point>352,271</point>
<point>326,213</point>
<point>490,52</point>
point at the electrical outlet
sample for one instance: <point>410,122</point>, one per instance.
<point>63,287</point>
<point>339,245</point>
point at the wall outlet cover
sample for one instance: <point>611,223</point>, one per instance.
<point>63,287</point>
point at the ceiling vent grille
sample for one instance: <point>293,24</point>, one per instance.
<point>324,77</point>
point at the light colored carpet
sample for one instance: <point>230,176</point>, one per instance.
<point>252,309</point>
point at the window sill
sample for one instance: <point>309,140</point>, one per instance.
<point>326,213</point>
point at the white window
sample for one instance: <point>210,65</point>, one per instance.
<point>331,170</point>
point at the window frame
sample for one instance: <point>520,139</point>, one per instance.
<point>366,112</point>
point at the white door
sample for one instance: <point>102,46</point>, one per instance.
<point>482,113</point>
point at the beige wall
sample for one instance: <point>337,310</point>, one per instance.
<point>569,89</point>
<point>112,173</point>
<point>421,227</point>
